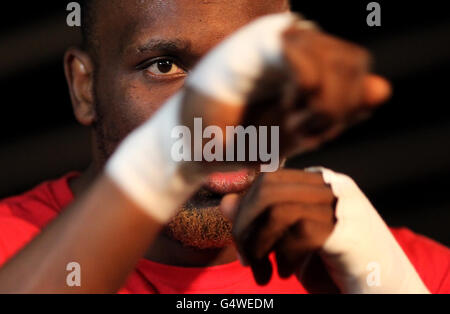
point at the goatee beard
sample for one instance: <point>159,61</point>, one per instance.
<point>200,224</point>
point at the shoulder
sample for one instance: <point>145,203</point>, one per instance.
<point>430,258</point>
<point>23,216</point>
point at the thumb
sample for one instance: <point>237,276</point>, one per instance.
<point>377,90</point>
<point>229,206</point>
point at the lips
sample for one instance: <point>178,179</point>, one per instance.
<point>230,182</point>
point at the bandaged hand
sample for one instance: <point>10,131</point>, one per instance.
<point>323,230</point>
<point>362,255</point>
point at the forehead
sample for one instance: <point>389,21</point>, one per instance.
<point>125,24</point>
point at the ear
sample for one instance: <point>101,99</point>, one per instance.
<point>78,68</point>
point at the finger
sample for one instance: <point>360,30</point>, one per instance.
<point>376,90</point>
<point>280,219</point>
<point>314,276</point>
<point>312,141</point>
<point>314,124</point>
<point>307,194</point>
<point>288,176</point>
<point>302,239</point>
<point>229,206</point>
<point>245,236</point>
<point>342,88</point>
<point>262,270</point>
<point>271,195</point>
<point>343,66</point>
<point>287,267</point>
<point>300,55</point>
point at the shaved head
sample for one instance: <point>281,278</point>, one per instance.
<point>91,9</point>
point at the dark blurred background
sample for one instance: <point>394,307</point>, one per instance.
<point>400,158</point>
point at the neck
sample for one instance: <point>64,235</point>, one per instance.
<point>170,252</point>
<point>80,184</point>
<point>165,250</point>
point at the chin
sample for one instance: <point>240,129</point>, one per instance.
<point>200,224</point>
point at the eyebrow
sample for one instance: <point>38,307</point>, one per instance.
<point>167,46</point>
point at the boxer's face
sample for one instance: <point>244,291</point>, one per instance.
<point>145,50</point>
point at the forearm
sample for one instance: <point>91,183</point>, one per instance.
<point>104,232</point>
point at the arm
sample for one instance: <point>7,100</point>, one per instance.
<point>104,228</point>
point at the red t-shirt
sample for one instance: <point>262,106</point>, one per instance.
<point>23,217</point>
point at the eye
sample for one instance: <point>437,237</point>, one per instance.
<point>164,67</point>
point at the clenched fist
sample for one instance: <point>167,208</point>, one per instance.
<point>277,72</point>
<point>329,88</point>
<point>332,87</point>
<point>290,212</point>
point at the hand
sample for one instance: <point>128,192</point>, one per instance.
<point>323,87</point>
<point>290,212</point>
<point>329,89</point>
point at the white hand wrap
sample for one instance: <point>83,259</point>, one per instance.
<point>143,168</point>
<point>361,254</point>
<point>240,60</point>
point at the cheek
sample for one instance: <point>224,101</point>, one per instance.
<point>141,98</point>
<point>124,105</point>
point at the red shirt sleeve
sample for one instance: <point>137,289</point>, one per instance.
<point>15,234</point>
<point>431,259</point>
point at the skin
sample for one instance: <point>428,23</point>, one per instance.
<point>116,89</point>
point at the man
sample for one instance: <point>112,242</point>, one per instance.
<point>122,220</point>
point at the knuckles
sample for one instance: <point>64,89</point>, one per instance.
<point>312,238</point>
<point>295,222</point>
